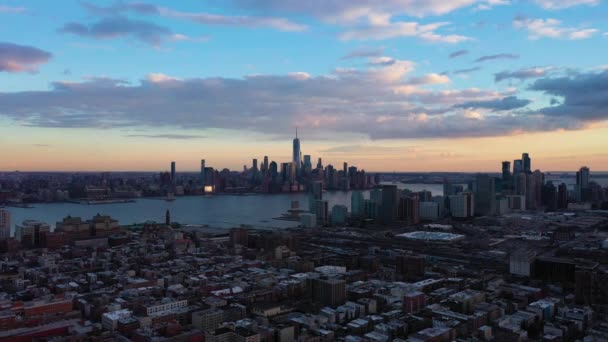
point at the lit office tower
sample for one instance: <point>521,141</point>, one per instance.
<point>388,207</point>
<point>518,167</point>
<point>485,195</point>
<point>527,163</point>
<point>173,172</point>
<point>506,174</point>
<point>5,224</point>
<point>203,172</point>
<point>297,154</point>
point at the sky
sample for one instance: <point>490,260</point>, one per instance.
<point>392,85</point>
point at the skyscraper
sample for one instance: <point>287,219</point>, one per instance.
<point>5,224</point>
<point>173,172</point>
<point>265,164</point>
<point>320,164</point>
<point>203,173</point>
<point>254,164</point>
<point>307,162</point>
<point>297,154</point>
<point>582,184</point>
<point>527,163</point>
<point>345,180</point>
<point>562,196</point>
<point>518,167</point>
<point>388,207</point>
<point>485,195</point>
<point>506,174</point>
<point>357,204</point>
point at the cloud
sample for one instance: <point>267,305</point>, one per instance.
<point>506,103</point>
<point>551,28</point>
<point>384,29</point>
<point>380,102</point>
<point>458,53</point>
<point>366,149</point>
<point>430,79</point>
<point>12,10</point>
<point>584,96</point>
<point>466,71</point>
<point>523,74</point>
<point>382,60</point>
<point>495,57</point>
<point>280,24</point>
<point>342,11</point>
<point>119,8</point>
<point>364,52</point>
<point>166,136</point>
<point>120,27</point>
<point>561,4</point>
<point>21,58</point>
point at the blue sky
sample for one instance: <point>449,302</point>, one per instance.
<point>387,76</point>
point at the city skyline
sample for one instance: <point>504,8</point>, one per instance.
<point>404,86</point>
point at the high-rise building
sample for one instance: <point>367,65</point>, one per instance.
<point>29,232</point>
<point>582,184</point>
<point>330,292</point>
<point>388,207</point>
<point>408,209</point>
<point>321,211</point>
<point>339,214</point>
<point>485,195</point>
<point>527,163</point>
<point>273,171</point>
<point>370,209</point>
<point>506,175</point>
<point>357,204</point>
<point>429,211</point>
<point>562,196</point>
<point>518,167</point>
<point>462,205</point>
<point>520,183</point>
<point>297,153</point>
<point>265,164</point>
<point>448,188</point>
<point>307,162</point>
<point>5,224</point>
<point>203,179</point>
<point>173,172</point>
<point>549,196</point>
<point>345,180</point>
<point>254,165</point>
<point>320,164</point>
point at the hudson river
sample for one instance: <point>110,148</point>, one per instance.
<point>220,211</point>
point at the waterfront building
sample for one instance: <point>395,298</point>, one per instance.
<point>357,204</point>
<point>5,224</point>
<point>29,233</point>
<point>339,214</point>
